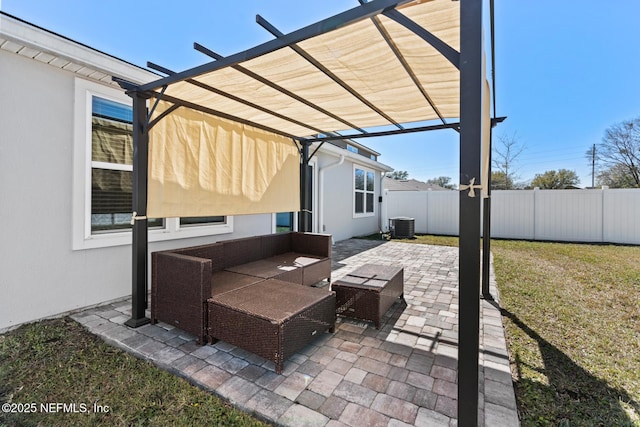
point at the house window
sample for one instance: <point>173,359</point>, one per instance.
<point>284,222</point>
<point>202,220</point>
<point>103,175</point>
<point>111,166</point>
<point>364,192</point>
<point>352,148</point>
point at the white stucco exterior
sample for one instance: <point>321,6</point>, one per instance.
<point>48,263</point>
<point>335,213</point>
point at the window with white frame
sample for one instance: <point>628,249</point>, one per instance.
<point>201,220</point>
<point>111,166</point>
<point>103,184</point>
<point>364,191</point>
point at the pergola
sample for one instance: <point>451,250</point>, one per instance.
<point>386,67</point>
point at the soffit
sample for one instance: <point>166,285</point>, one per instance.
<point>30,41</point>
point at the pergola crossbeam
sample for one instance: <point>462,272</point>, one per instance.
<point>125,84</point>
<point>310,59</point>
<point>445,50</point>
<point>275,86</point>
<point>211,111</point>
<point>455,126</point>
<point>338,21</point>
<point>235,98</point>
<point>396,51</point>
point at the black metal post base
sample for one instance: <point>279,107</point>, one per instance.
<point>136,323</point>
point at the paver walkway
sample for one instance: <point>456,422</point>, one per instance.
<point>403,374</point>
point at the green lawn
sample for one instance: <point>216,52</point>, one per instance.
<point>572,319</point>
<point>58,361</point>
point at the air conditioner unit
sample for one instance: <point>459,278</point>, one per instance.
<point>402,227</point>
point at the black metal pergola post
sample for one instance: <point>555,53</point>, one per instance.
<point>471,102</point>
<point>306,188</point>
<point>139,205</point>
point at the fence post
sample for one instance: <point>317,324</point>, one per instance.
<point>427,203</point>
<point>602,196</point>
<point>535,201</point>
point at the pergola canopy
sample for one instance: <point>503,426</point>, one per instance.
<point>387,64</point>
<point>369,71</point>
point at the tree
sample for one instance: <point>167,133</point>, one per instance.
<point>442,181</point>
<point>553,180</point>
<point>398,175</point>
<point>621,147</point>
<point>504,156</point>
<point>500,181</point>
<point>616,176</point>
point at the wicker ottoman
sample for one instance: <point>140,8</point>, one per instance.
<point>273,319</point>
<point>369,291</point>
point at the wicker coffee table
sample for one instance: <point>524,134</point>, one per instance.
<point>273,319</point>
<point>369,291</point>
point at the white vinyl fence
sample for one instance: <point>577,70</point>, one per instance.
<point>602,215</point>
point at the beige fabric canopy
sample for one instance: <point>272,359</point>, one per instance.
<point>360,57</point>
<point>376,71</point>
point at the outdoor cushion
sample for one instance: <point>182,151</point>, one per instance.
<point>295,259</point>
<point>276,266</point>
<point>268,269</point>
<point>225,281</point>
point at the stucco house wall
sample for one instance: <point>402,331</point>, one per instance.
<point>50,263</point>
<point>44,271</point>
<point>337,194</point>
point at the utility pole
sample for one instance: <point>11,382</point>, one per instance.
<point>593,166</point>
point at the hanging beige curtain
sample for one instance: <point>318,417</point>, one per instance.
<point>203,165</point>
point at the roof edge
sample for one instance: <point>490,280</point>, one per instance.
<point>356,158</point>
<point>21,31</point>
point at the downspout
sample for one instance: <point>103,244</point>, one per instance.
<point>382,175</point>
<point>321,191</point>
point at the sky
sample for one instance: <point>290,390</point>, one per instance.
<point>565,71</point>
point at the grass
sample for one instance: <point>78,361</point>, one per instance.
<point>58,361</point>
<point>572,320</point>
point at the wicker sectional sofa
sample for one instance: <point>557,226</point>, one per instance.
<point>183,280</point>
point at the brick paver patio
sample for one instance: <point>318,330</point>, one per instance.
<point>403,374</point>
